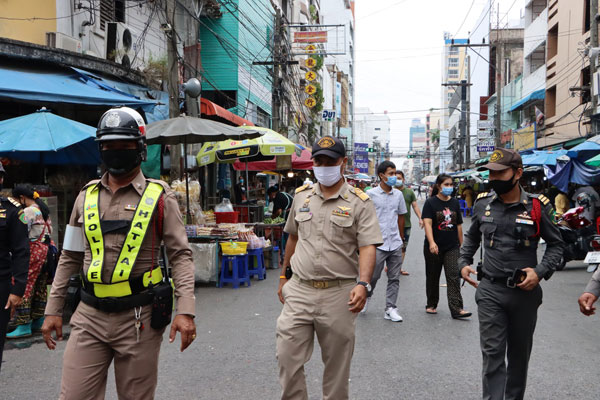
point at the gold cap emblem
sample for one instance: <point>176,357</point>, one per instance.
<point>326,142</point>
<point>496,155</point>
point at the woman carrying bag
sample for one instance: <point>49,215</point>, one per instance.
<point>443,229</point>
<point>29,316</point>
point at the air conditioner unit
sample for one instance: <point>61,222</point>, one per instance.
<point>120,43</point>
<point>59,40</point>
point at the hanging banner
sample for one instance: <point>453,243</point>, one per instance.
<point>310,62</point>
<point>525,138</point>
<point>310,102</point>
<point>310,89</point>
<point>310,76</point>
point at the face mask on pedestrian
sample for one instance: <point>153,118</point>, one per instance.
<point>121,161</point>
<point>502,187</point>
<point>447,191</point>
<point>328,176</point>
<point>391,181</point>
<point>399,182</point>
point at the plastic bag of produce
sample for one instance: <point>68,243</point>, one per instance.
<point>224,206</point>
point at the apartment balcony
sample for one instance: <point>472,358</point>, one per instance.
<point>534,81</point>
<point>535,34</point>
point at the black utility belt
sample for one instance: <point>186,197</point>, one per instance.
<point>508,281</point>
<point>117,304</point>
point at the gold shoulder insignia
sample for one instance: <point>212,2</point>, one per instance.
<point>15,203</point>
<point>302,188</point>
<point>361,195</point>
<point>482,195</point>
<point>544,199</point>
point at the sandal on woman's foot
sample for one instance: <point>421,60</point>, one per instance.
<point>430,310</point>
<point>461,315</point>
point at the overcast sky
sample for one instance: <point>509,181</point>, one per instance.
<point>399,53</point>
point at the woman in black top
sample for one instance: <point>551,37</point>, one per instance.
<point>443,230</point>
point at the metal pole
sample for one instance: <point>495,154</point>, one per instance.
<point>463,121</point>
<point>173,84</point>
<point>276,95</point>
<point>593,66</point>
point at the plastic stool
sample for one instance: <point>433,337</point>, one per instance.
<point>256,264</point>
<point>238,273</point>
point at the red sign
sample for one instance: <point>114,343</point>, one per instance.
<point>310,37</point>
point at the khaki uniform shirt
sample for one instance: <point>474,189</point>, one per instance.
<point>121,206</point>
<point>331,231</point>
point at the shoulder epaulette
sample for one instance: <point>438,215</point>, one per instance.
<point>14,202</point>
<point>543,199</point>
<point>482,195</point>
<point>303,188</point>
<point>361,195</point>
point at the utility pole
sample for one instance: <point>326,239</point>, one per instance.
<point>276,95</point>
<point>498,114</point>
<point>173,84</point>
<point>463,122</point>
<point>468,114</point>
<point>593,66</point>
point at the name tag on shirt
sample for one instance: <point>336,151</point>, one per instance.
<point>487,219</point>
<point>130,207</point>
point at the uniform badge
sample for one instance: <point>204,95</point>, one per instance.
<point>487,213</point>
<point>2,214</point>
<point>487,208</point>
<point>22,217</point>
<point>487,219</point>
<point>341,213</point>
<point>129,207</point>
<point>344,208</point>
<point>305,207</point>
<point>524,221</point>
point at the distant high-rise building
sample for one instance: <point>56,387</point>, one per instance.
<point>455,68</point>
<point>418,135</point>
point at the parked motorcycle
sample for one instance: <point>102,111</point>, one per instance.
<point>577,233</point>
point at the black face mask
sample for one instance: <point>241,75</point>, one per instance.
<point>121,162</point>
<point>502,187</point>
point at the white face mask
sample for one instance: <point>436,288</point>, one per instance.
<point>328,176</point>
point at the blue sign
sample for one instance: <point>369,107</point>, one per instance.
<point>360,148</point>
<point>485,149</point>
<point>361,163</point>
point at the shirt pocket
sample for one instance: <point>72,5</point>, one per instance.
<point>304,220</point>
<point>488,230</point>
<point>340,228</point>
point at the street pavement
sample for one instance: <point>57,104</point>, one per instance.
<point>424,357</point>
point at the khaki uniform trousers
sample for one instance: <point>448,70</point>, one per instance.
<point>307,311</point>
<point>96,339</point>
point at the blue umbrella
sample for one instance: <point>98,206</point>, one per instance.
<point>587,149</point>
<point>542,157</point>
<point>45,138</point>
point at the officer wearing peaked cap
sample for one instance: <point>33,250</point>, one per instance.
<point>328,224</point>
<point>509,222</point>
<point>113,240</point>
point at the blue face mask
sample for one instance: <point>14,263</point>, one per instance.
<point>391,181</point>
<point>399,182</point>
<point>447,191</point>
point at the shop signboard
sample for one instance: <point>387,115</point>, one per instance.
<point>328,115</point>
<point>361,157</point>
<point>361,163</point>
<point>525,138</point>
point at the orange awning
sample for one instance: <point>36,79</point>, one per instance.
<point>218,113</point>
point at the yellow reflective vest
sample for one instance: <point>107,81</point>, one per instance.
<point>119,285</point>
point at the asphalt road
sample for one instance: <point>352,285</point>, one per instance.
<point>424,357</point>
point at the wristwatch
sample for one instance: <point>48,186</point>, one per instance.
<point>366,285</point>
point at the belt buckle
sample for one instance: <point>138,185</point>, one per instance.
<point>510,282</point>
<point>319,284</point>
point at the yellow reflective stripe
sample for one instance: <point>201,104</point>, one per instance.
<point>122,289</point>
<point>93,233</point>
<point>137,232</point>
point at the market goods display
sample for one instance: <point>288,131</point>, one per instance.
<point>274,221</point>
